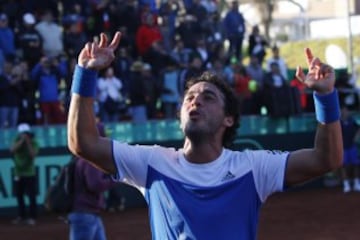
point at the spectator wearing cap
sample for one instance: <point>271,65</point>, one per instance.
<point>24,150</point>
<point>29,41</point>
<point>7,38</point>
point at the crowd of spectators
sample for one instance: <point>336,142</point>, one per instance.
<point>163,44</point>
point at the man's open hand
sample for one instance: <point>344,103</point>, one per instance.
<point>99,55</point>
<point>320,77</point>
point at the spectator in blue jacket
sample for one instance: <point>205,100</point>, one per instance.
<point>7,38</point>
<point>234,27</point>
<point>48,73</point>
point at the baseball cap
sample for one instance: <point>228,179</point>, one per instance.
<point>28,18</point>
<point>23,127</point>
<point>146,67</point>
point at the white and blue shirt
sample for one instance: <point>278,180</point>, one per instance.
<point>216,200</point>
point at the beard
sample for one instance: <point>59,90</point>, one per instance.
<point>198,133</point>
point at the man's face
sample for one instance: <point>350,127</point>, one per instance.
<point>202,112</point>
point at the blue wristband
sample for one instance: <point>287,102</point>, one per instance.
<point>84,82</point>
<point>327,107</point>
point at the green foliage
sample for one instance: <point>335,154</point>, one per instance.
<point>293,52</point>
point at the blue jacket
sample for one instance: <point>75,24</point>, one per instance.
<point>7,41</point>
<point>234,23</point>
<point>48,81</point>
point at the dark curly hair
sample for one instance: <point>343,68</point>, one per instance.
<point>231,107</point>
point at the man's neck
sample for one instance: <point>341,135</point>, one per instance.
<point>201,153</point>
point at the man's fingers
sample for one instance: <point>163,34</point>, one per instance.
<point>300,75</point>
<point>115,41</point>
<point>325,68</point>
<point>309,56</point>
<point>103,40</point>
<point>93,48</point>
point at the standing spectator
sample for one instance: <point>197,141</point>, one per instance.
<point>109,96</point>
<point>28,88</point>
<point>137,94</point>
<point>10,95</point>
<point>149,42</point>
<point>255,71</point>
<point>348,93</point>
<point>180,53</point>
<point>25,149</point>
<point>200,13</point>
<point>279,60</point>
<point>7,38</point>
<point>151,90</point>
<point>301,93</point>
<point>122,65</point>
<point>128,16</point>
<point>189,30</point>
<point>351,164</point>
<point>169,10</point>
<point>257,74</point>
<point>170,96</point>
<point>74,36</point>
<point>242,87</point>
<point>29,41</point>
<point>89,201</point>
<point>276,94</point>
<point>195,69</point>
<point>234,27</point>
<point>257,44</point>
<point>215,31</point>
<point>52,35</point>
<point>47,74</point>
<point>202,51</point>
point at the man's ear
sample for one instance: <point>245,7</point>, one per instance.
<point>229,121</point>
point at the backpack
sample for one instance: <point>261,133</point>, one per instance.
<point>59,197</point>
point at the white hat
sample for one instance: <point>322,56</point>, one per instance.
<point>146,67</point>
<point>29,18</point>
<point>23,127</point>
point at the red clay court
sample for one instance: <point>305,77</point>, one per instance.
<point>319,214</point>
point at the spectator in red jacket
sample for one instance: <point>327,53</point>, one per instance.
<point>149,42</point>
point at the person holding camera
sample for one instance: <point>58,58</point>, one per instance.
<point>47,75</point>
<point>24,150</point>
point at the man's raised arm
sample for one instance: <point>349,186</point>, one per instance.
<point>327,153</point>
<point>83,137</point>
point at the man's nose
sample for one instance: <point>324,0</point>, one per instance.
<point>197,100</point>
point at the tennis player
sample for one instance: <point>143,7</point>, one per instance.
<point>204,190</point>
